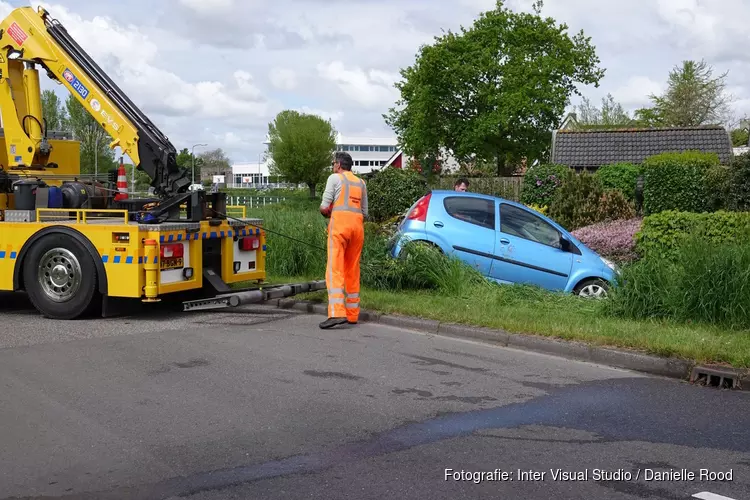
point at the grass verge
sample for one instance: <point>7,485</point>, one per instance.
<point>526,310</point>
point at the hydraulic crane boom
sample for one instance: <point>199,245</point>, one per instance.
<point>29,38</point>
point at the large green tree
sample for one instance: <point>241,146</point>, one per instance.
<point>54,112</point>
<point>493,91</point>
<point>741,136</point>
<point>301,147</point>
<point>611,114</point>
<point>186,160</point>
<point>694,97</point>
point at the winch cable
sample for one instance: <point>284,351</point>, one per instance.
<point>243,221</point>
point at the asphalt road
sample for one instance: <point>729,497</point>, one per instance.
<point>260,403</point>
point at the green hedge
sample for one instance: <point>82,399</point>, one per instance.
<point>677,181</point>
<point>620,176</point>
<point>540,183</point>
<point>662,234</point>
<point>738,184</point>
<point>392,191</point>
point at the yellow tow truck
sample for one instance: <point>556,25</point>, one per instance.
<point>65,238</point>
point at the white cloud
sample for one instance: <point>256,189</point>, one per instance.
<point>134,59</point>
<point>372,89</point>
<point>334,116</point>
<point>209,6</point>
<point>283,78</point>
<point>636,91</point>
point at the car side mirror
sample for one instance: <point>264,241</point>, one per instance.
<point>565,243</point>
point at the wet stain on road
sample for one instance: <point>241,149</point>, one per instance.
<point>192,363</point>
<point>426,361</point>
<point>615,410</point>
<point>423,394</point>
<point>474,400</point>
<point>339,375</point>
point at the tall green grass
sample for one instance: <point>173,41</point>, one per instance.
<point>703,282</point>
<point>424,268</point>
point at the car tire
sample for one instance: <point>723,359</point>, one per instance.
<point>60,277</point>
<point>595,288</point>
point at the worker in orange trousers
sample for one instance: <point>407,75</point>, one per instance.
<point>345,203</point>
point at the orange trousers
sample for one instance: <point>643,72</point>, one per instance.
<point>346,237</point>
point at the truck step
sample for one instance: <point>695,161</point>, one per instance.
<point>252,296</point>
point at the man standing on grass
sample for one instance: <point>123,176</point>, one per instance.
<point>345,202</point>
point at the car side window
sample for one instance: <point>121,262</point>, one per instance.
<point>518,222</point>
<point>476,211</point>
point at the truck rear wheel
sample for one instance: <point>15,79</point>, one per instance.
<point>60,277</point>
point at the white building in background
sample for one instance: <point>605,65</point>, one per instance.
<point>250,175</point>
<point>368,154</point>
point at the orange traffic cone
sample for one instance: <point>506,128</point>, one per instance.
<point>122,183</point>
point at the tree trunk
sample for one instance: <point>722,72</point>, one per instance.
<point>500,165</point>
<point>312,190</point>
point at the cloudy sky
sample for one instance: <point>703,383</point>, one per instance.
<point>217,71</point>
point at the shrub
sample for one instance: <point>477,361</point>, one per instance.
<point>576,202</point>
<point>738,185</point>
<point>392,191</point>
<point>676,181</point>
<point>706,283</point>
<point>614,206</point>
<point>622,176</point>
<point>662,234</point>
<point>612,239</point>
<point>542,210</point>
<point>541,182</point>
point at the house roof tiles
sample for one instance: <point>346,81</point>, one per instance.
<point>594,148</point>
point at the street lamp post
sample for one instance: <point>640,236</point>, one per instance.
<point>192,158</point>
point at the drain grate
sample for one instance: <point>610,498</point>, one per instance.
<point>715,377</point>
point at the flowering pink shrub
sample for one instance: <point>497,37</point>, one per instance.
<point>614,240</point>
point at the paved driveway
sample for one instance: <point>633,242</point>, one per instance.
<point>260,403</point>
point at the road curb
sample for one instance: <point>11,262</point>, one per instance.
<point>617,358</point>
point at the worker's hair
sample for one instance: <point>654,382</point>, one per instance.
<point>462,180</point>
<point>345,160</point>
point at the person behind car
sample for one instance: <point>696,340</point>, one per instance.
<point>461,184</point>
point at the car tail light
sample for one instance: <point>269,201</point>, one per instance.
<point>419,212</point>
<point>249,243</point>
<point>172,250</point>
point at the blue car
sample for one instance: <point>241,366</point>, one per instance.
<point>506,241</point>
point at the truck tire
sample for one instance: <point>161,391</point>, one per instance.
<point>60,277</point>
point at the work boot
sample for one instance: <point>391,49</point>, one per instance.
<point>331,322</point>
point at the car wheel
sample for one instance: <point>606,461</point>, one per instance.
<point>592,289</point>
<point>60,277</point>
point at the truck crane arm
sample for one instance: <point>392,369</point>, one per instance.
<point>29,38</point>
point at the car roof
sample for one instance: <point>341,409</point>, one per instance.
<point>442,193</point>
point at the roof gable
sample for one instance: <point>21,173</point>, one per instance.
<point>594,148</point>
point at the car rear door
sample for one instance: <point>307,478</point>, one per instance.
<point>467,224</point>
<point>529,251</point>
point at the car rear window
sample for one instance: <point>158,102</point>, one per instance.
<point>475,211</point>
